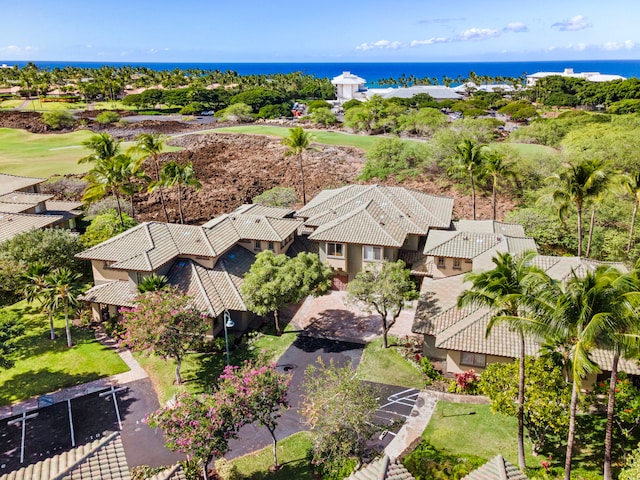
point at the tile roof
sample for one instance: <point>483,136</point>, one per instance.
<point>260,227</point>
<point>172,473</point>
<point>382,469</point>
<point>10,183</point>
<point>103,458</point>
<point>560,268</point>
<point>11,224</point>
<point>496,469</point>
<point>20,201</point>
<point>118,292</point>
<point>367,224</point>
<point>490,226</point>
<point>466,245</point>
<point>272,212</point>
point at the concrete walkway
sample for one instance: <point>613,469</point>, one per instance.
<point>135,372</point>
<point>411,432</point>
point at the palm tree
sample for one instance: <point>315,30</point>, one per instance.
<point>152,283</point>
<point>631,184</point>
<point>468,159</point>
<point>297,142</point>
<point>575,184</point>
<point>601,185</point>
<point>38,288</point>
<point>65,287</point>
<point>495,167</point>
<point>104,147</point>
<point>150,145</point>
<point>173,174</point>
<point>508,290</point>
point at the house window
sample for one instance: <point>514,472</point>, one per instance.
<point>335,249</point>
<point>256,245</point>
<point>271,247</point>
<point>473,359</point>
<point>440,262</point>
<point>456,264</point>
<point>371,253</point>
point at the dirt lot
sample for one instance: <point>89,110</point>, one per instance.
<point>235,168</point>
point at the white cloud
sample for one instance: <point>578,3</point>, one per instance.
<point>428,41</point>
<point>612,46</point>
<point>381,44</point>
<point>579,22</point>
<point>478,34</point>
<point>515,27</point>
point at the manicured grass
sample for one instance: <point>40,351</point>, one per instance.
<point>44,366</point>
<point>10,104</point>
<point>362,142</point>
<point>39,106</point>
<point>388,366</point>
<point>292,457</point>
<point>117,105</point>
<point>529,150</point>
<point>199,371</point>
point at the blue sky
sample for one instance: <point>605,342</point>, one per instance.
<point>327,31</point>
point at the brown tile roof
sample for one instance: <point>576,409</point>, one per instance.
<point>172,473</point>
<point>382,469</point>
<point>260,227</point>
<point>118,293</point>
<point>10,183</point>
<point>101,459</point>
<point>560,268</point>
<point>466,245</point>
<point>368,224</point>
<point>272,212</point>
<point>11,224</point>
<point>496,469</point>
<point>490,226</point>
<point>31,199</point>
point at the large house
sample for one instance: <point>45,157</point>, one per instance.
<point>357,225</point>
<point>568,72</point>
<point>206,262</point>
<point>23,207</point>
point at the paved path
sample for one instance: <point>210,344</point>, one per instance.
<point>411,432</point>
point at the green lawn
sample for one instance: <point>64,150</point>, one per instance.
<point>10,104</point>
<point>199,371</point>
<point>292,457</point>
<point>388,366</point>
<point>39,106</point>
<point>44,366</point>
<point>529,150</point>
<point>324,137</point>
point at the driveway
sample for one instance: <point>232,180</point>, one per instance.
<point>331,316</point>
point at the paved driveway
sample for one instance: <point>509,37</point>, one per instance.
<point>330,316</point>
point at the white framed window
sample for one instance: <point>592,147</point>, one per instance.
<point>371,253</point>
<point>335,249</point>
<point>457,265</point>
<point>473,359</point>
<point>441,262</point>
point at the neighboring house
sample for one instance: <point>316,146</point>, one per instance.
<point>496,469</point>
<point>206,262</point>
<point>568,72</point>
<point>349,86</point>
<point>458,337</point>
<point>437,92</point>
<point>470,87</point>
<point>358,225</point>
<point>383,468</point>
<point>23,207</point>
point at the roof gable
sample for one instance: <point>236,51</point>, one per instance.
<point>496,469</point>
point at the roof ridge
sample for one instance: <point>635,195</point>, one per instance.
<point>502,467</point>
<point>462,324</point>
<point>223,267</point>
<point>204,290</point>
<point>100,444</point>
<point>382,225</point>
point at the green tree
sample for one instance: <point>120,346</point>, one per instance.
<point>104,147</point>
<point>468,159</point>
<point>507,290</point>
<point>164,322</point>
<point>238,112</point>
<point>173,174</point>
<point>340,410</point>
<point>38,288</point>
<point>10,331</point>
<point>297,143</point>
<point>323,116</point>
<point>631,471</point>
<point>386,290</point>
<point>65,288</point>
<point>58,119</point>
<point>152,283</point>
<point>150,145</point>
<point>496,168</point>
<point>276,197</point>
<point>631,184</point>
<point>546,392</point>
<point>274,281</point>
<point>11,280</point>
<point>105,226</point>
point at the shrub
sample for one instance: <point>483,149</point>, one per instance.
<point>318,104</point>
<point>429,371</point>
<point>427,462</point>
<point>465,383</point>
<point>192,109</point>
<point>275,111</point>
<point>351,103</point>
<point>58,119</point>
<point>105,226</point>
<point>238,112</point>
<point>323,116</point>
<point>107,117</point>
<point>107,204</point>
<point>277,197</point>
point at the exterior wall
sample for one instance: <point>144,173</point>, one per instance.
<point>257,246</point>
<point>430,350</point>
<point>103,275</point>
<point>337,263</point>
<point>411,243</point>
<point>354,260</point>
<point>207,262</point>
<point>454,364</point>
<point>449,270</point>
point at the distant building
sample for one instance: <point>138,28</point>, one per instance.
<point>349,86</point>
<point>568,72</point>
<point>437,92</point>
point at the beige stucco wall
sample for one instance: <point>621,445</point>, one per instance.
<point>448,270</point>
<point>455,366</point>
<point>207,262</point>
<point>277,247</point>
<point>337,263</point>
<point>411,242</point>
<point>103,275</point>
<point>354,260</point>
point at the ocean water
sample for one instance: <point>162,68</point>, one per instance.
<point>373,72</point>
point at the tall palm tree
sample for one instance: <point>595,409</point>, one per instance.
<point>468,159</point>
<point>631,184</point>
<point>66,289</point>
<point>508,290</point>
<point>150,145</point>
<point>104,147</point>
<point>38,288</point>
<point>297,142</point>
<point>601,186</point>
<point>575,184</point>
<point>174,174</point>
<point>497,168</point>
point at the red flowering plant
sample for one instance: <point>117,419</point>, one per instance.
<point>626,416</point>
<point>465,383</point>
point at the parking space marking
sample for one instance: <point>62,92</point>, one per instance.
<point>401,398</point>
<point>23,419</point>
<point>113,392</point>
<point>73,437</point>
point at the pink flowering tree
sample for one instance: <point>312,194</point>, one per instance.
<point>199,426</point>
<point>259,391</point>
<point>165,323</point>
